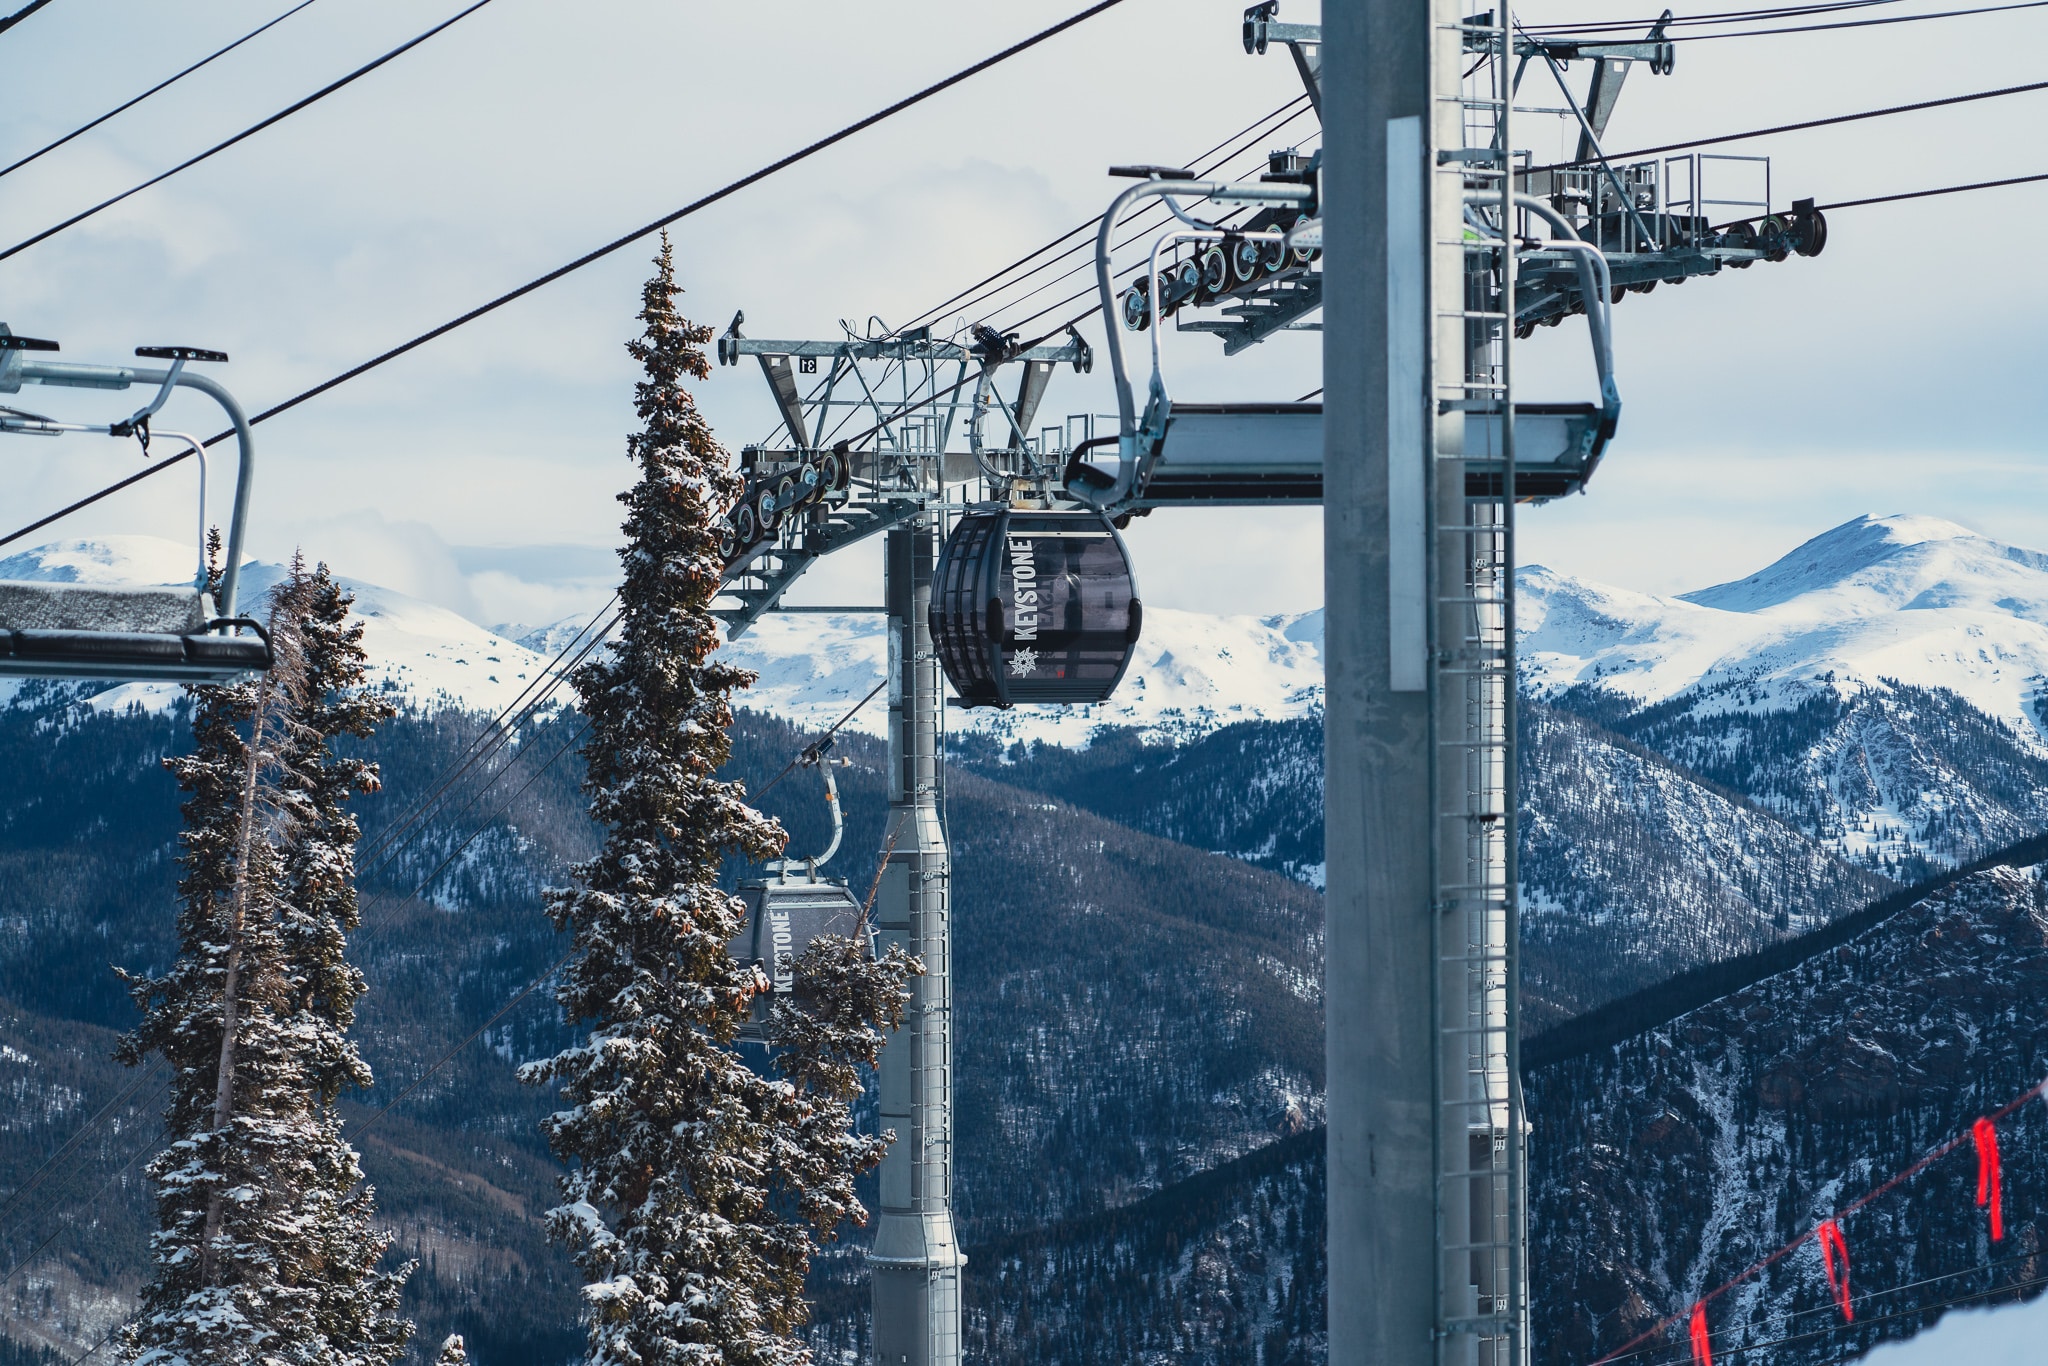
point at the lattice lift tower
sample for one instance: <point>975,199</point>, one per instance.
<point>1429,244</point>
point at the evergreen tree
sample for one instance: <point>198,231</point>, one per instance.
<point>452,1353</point>
<point>356,1319</point>
<point>263,1251</point>
<point>684,1162</point>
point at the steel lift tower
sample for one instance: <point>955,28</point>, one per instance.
<point>1429,245</point>
<point>1399,664</point>
<point>872,449</point>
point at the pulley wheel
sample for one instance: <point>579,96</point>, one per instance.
<point>1773,239</point>
<point>1215,270</point>
<point>745,527</point>
<point>766,512</point>
<point>1137,310</point>
<point>1274,257</point>
<point>832,471</point>
<point>728,541</point>
<point>1812,236</point>
<point>1244,261</point>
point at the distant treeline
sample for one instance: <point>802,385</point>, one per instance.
<point>1628,1016</point>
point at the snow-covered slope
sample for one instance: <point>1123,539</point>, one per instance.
<point>1192,673</point>
<point>1915,600</point>
<point>427,655</point>
<point>2005,1333</point>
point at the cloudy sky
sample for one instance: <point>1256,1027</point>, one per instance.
<point>1898,372</point>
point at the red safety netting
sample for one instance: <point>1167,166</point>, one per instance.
<point>1989,1193</point>
<point>1985,1135</point>
<point>1833,1246</point>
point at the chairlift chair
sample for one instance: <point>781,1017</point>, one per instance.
<point>1170,454</point>
<point>175,633</point>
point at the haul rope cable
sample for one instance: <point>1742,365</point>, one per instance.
<point>24,12</point>
<point>160,85</point>
<point>1720,17</point>
<point>1926,1160</point>
<point>1827,122</point>
<point>1854,23</point>
<point>1089,264</point>
<point>830,731</point>
<point>1725,1352</point>
<point>1243,136</point>
<point>1863,1299</point>
<point>1156,210</point>
<point>1246,140</point>
<point>812,148</point>
<point>492,739</point>
<point>365,924</point>
<point>248,132</point>
<point>695,206</point>
<point>976,295</point>
<point>1630,31</point>
<point>487,743</point>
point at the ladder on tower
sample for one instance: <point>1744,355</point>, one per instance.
<point>1482,1300</point>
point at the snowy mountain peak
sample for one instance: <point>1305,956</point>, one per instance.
<point>1913,599</point>
<point>107,560</point>
<point>1882,554</point>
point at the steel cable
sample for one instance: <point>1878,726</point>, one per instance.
<point>1827,122</point>
<point>248,132</point>
<point>160,85</point>
<point>24,12</point>
<point>723,192</point>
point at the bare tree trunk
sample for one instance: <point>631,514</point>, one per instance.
<point>224,1087</point>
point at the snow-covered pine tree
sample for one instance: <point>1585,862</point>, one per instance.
<point>452,1353</point>
<point>356,1318</point>
<point>683,1161</point>
<point>263,1244</point>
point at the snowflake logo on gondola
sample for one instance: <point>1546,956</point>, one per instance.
<point>1022,663</point>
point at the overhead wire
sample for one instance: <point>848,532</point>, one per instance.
<point>1716,17</point>
<point>246,133</point>
<point>1928,194</point>
<point>1726,1353</point>
<point>1854,23</point>
<point>1248,132</point>
<point>164,84</point>
<point>1827,122</point>
<point>24,12</point>
<point>703,202</point>
<point>512,295</point>
<point>368,922</point>
<point>1869,1197</point>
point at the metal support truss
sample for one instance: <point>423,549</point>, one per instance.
<point>874,429</point>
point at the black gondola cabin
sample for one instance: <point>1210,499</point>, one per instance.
<point>1034,607</point>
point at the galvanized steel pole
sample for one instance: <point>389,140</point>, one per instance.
<point>915,1262</point>
<point>1389,86</point>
